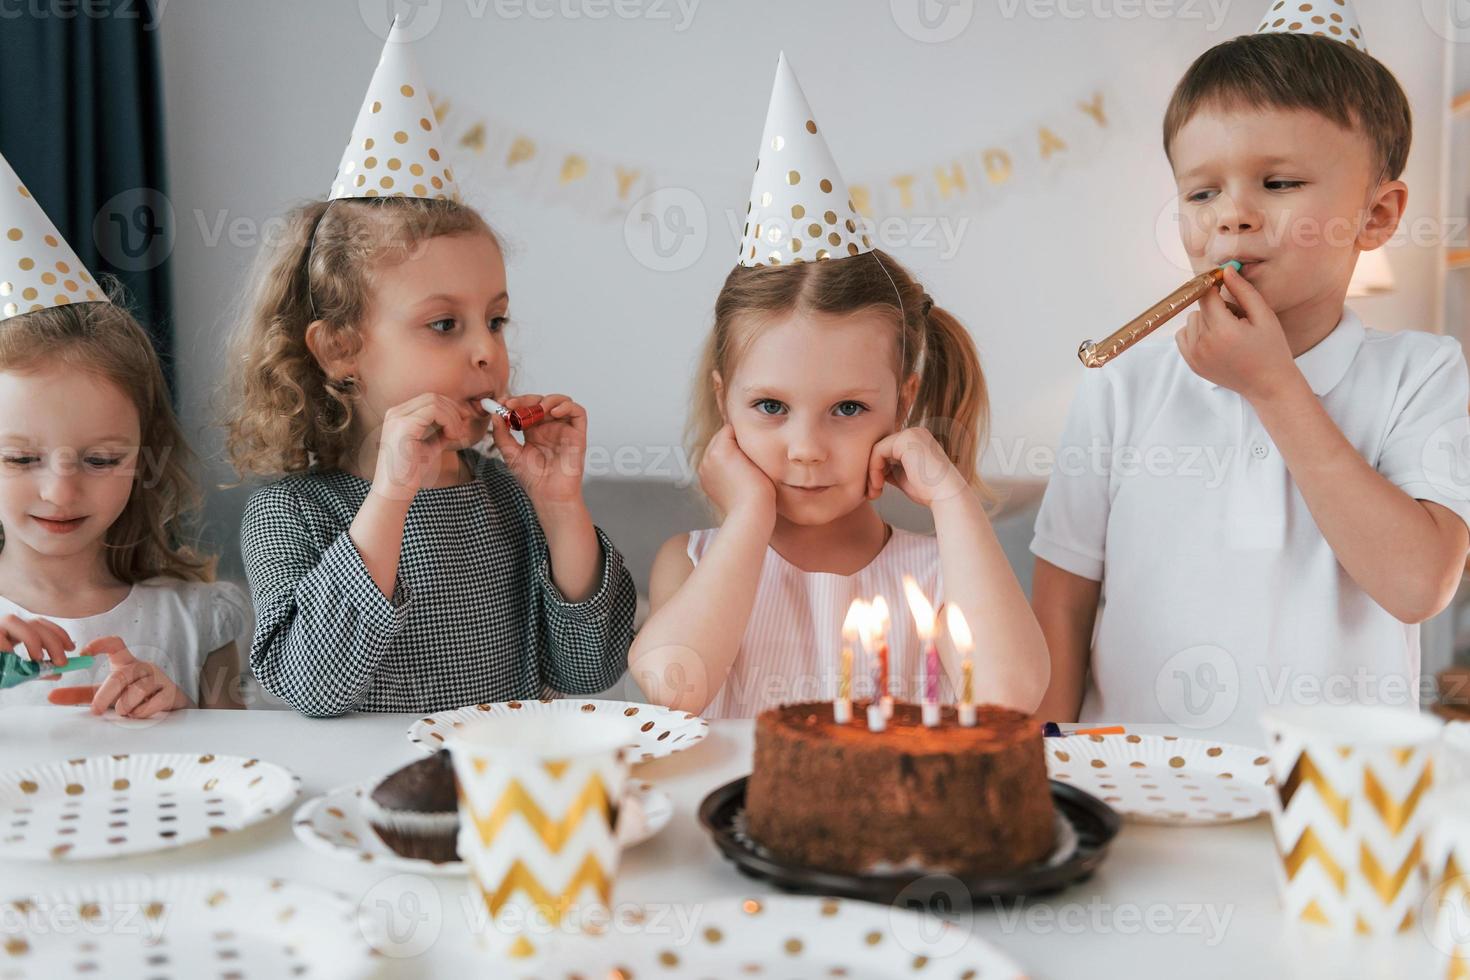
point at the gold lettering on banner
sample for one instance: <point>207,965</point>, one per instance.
<point>574,167</point>
<point>625,181</point>
<point>1309,846</point>
<point>998,166</point>
<point>905,185</point>
<point>1050,143</point>
<point>951,181</point>
<point>474,137</point>
<point>553,833</point>
<point>1305,770</point>
<point>521,150</point>
<point>1095,109</point>
<point>1394,813</point>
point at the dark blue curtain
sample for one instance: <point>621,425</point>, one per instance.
<point>81,121</point>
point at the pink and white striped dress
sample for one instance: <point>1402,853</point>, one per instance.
<point>792,646</point>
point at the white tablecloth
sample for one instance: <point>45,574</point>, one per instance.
<point>1167,902</point>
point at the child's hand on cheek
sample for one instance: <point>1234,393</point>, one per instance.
<point>414,438</point>
<point>1248,354</point>
<point>550,463</point>
<point>732,481</point>
<point>913,461</point>
<point>135,688</point>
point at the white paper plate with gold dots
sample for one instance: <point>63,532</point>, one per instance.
<point>184,927</point>
<point>110,805</point>
<point>335,824</point>
<point>776,936</point>
<point>1163,778</point>
<point>653,730</point>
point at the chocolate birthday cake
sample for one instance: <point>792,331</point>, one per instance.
<point>969,801</point>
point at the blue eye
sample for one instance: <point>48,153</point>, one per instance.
<point>856,409</point>
<point>768,406</point>
<point>1200,197</point>
<point>1283,185</point>
<point>434,325</point>
<point>499,323</point>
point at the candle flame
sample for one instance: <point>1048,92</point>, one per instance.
<point>878,615</point>
<point>959,629</point>
<point>922,611</point>
<point>857,615</point>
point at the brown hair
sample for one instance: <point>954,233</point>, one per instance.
<point>1296,71</point>
<point>285,415</point>
<point>951,402</point>
<point>103,339</point>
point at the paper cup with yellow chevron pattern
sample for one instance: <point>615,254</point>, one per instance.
<point>1351,813</point>
<point>538,800</point>
<point>1447,910</point>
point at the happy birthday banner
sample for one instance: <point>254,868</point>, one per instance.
<point>606,186</point>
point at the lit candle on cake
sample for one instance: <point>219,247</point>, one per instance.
<point>878,617</point>
<point>964,643</point>
<point>842,704</point>
<point>864,621</point>
<point>923,614</point>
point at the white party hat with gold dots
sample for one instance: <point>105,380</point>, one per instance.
<point>799,208</point>
<point>1326,18</point>
<point>38,269</point>
<point>394,150</point>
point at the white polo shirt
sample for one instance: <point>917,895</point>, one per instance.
<point>1219,594</point>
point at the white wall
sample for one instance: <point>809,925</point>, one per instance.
<point>261,96</point>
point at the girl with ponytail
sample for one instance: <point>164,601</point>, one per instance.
<point>820,383</point>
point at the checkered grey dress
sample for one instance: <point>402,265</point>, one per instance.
<point>474,618</point>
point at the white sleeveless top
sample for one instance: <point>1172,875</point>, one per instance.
<point>792,646</point>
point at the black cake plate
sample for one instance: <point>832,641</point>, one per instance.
<point>1093,821</point>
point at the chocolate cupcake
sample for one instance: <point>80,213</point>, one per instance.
<point>414,810</point>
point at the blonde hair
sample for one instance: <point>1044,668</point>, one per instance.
<point>103,339</point>
<point>952,401</point>
<point>286,415</point>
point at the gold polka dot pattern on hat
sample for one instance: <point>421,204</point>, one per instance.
<point>396,117</point>
<point>1335,19</point>
<point>797,182</point>
<point>38,269</point>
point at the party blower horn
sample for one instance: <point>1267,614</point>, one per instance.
<point>1095,355</point>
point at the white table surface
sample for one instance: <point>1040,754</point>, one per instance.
<point>1167,902</point>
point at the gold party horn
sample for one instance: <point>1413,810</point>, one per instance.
<point>1097,354</point>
